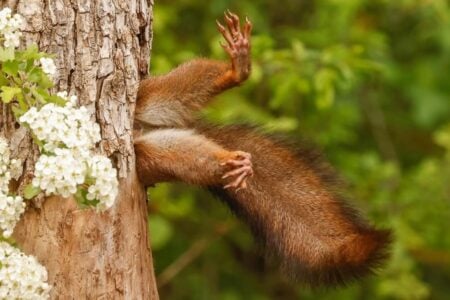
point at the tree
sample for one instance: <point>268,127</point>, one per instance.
<point>102,51</point>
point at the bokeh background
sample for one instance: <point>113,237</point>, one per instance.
<point>367,81</point>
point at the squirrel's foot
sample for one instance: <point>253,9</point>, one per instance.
<point>238,44</point>
<point>242,169</point>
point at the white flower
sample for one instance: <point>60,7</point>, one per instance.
<point>21,276</point>
<point>66,126</point>
<point>59,174</point>
<point>12,39</point>
<point>16,21</point>
<point>11,208</point>
<point>68,136</point>
<point>106,185</point>
<point>62,94</point>
<point>67,169</point>
<point>9,168</point>
<point>30,116</point>
<point>71,100</point>
<point>10,28</point>
<point>48,66</point>
<point>15,168</point>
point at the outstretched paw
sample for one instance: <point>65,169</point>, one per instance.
<point>237,44</point>
<point>241,169</point>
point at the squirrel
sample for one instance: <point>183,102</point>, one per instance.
<point>288,197</point>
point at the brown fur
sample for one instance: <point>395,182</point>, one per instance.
<point>293,207</point>
<point>173,154</point>
<point>292,203</point>
<point>169,100</point>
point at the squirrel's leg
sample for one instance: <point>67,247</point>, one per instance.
<point>184,155</point>
<point>170,100</point>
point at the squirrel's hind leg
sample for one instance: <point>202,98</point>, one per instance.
<point>184,155</point>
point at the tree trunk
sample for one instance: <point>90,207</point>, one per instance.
<point>102,51</point>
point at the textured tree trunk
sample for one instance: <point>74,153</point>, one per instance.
<point>102,51</point>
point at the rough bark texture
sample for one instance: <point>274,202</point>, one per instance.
<point>102,51</point>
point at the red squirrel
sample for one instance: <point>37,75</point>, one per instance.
<point>287,196</point>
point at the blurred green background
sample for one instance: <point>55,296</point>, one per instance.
<point>368,81</point>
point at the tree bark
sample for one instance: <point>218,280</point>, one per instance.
<point>102,50</point>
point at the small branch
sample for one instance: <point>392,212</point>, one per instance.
<point>183,261</point>
<point>196,249</point>
<point>432,257</point>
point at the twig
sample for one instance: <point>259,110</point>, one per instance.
<point>196,249</point>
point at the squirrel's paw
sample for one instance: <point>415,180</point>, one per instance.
<point>242,168</point>
<point>238,44</point>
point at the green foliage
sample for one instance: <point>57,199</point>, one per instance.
<point>23,82</point>
<point>82,199</point>
<point>31,191</point>
<point>368,82</point>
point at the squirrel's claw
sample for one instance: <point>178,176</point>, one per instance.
<point>226,34</point>
<point>242,169</point>
<point>237,44</point>
<point>241,181</point>
<point>233,23</point>
<point>237,38</point>
<point>247,28</point>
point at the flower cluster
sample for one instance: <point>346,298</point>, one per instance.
<point>5,175</point>
<point>67,137</point>
<point>11,207</point>
<point>105,185</point>
<point>9,168</point>
<point>10,28</point>
<point>59,126</point>
<point>21,276</point>
<point>70,100</point>
<point>59,173</point>
<point>48,66</point>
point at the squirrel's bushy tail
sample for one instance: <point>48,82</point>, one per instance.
<point>294,209</point>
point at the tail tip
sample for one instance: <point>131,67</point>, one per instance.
<point>360,256</point>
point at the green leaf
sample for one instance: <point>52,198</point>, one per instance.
<point>93,202</point>
<point>38,96</point>
<point>80,196</point>
<point>3,79</point>
<point>32,52</point>
<point>45,82</point>
<point>8,93</point>
<point>18,112</point>
<point>11,67</point>
<point>82,200</point>
<point>6,54</point>
<point>35,75</point>
<point>31,191</point>
<point>22,103</point>
<point>57,100</point>
<point>23,66</point>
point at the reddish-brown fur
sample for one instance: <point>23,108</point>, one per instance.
<point>294,208</point>
<point>291,203</point>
